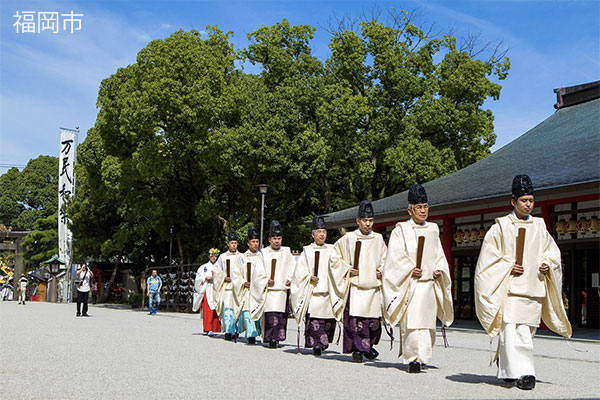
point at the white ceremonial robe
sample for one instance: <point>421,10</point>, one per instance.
<point>512,305</point>
<point>241,294</point>
<point>364,289</point>
<point>264,298</point>
<point>307,296</point>
<point>416,302</point>
<point>224,290</point>
<point>202,286</point>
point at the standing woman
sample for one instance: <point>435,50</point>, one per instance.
<point>94,291</point>
<point>84,275</point>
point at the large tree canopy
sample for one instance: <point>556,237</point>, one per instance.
<point>29,202</point>
<point>184,135</point>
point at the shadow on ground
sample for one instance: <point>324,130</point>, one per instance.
<point>477,379</point>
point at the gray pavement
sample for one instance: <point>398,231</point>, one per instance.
<point>120,353</point>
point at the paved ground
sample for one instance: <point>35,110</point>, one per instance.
<point>120,353</point>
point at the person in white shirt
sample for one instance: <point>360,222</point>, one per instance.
<point>22,289</point>
<point>84,275</point>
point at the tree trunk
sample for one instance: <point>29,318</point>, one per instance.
<point>111,281</point>
<point>180,246</point>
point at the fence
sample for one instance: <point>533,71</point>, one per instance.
<point>177,292</point>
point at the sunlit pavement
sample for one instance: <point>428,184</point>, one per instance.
<point>119,353</point>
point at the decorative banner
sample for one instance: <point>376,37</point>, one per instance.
<point>66,189</point>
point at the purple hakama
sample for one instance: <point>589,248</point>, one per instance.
<point>360,333</point>
<point>318,332</point>
<point>275,326</point>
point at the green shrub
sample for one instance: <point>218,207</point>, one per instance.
<point>135,300</point>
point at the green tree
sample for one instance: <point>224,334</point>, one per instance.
<point>42,243</point>
<point>29,202</point>
<point>29,195</point>
<point>183,136</point>
<point>395,116</point>
<point>11,205</point>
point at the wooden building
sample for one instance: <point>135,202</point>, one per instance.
<point>561,155</point>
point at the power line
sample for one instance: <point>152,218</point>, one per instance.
<point>12,165</point>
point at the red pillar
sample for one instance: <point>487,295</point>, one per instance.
<point>448,241</point>
<point>547,216</point>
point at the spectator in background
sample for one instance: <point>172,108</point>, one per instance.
<point>94,291</point>
<point>23,282</point>
<point>84,275</point>
<point>153,284</point>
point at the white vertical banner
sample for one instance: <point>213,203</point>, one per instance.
<point>66,189</point>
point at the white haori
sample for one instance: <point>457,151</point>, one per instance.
<point>306,296</point>
<point>202,286</point>
<point>416,301</point>
<point>515,351</point>
<point>364,289</point>
<point>241,294</point>
<point>494,281</point>
<point>264,298</point>
<point>224,290</point>
<point>522,310</point>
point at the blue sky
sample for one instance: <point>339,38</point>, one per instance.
<point>51,80</point>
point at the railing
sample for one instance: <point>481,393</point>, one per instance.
<point>178,286</point>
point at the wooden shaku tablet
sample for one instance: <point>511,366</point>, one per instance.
<point>317,255</point>
<point>520,245</point>
<point>273,262</point>
<point>420,246</point>
<point>357,253</point>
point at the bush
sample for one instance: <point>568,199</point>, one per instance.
<point>135,300</point>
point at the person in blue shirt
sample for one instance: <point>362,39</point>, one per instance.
<point>153,284</point>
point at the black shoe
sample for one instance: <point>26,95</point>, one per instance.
<point>228,337</point>
<point>78,315</point>
<point>316,351</point>
<point>372,354</point>
<point>85,315</point>
<point>251,340</point>
<point>272,345</point>
<point>526,382</point>
<point>357,357</point>
<point>414,367</point>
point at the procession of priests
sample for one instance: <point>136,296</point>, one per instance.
<point>360,283</point>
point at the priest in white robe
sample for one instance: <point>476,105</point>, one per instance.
<point>510,299</point>
<point>227,262</point>
<point>309,290</point>
<point>204,294</point>
<point>241,278</point>
<point>269,287</point>
<point>356,292</point>
<point>415,296</point>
